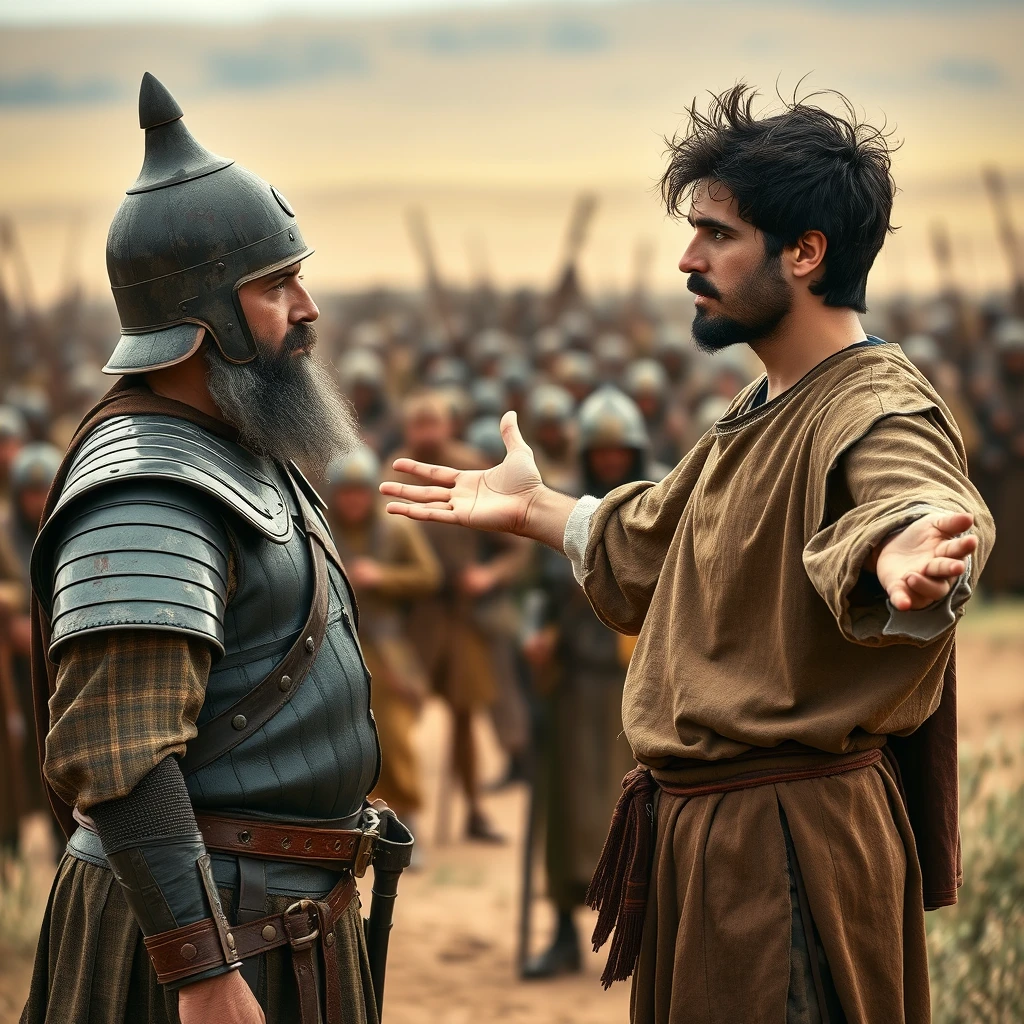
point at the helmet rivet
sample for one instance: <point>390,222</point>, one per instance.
<point>229,327</point>
<point>291,236</point>
<point>220,266</point>
<point>183,306</point>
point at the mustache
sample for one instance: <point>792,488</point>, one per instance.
<point>300,337</point>
<point>700,285</point>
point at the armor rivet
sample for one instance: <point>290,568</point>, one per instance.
<point>337,844</point>
<point>285,684</point>
<point>188,951</point>
<point>244,836</point>
<point>330,939</point>
<point>220,266</point>
<point>269,933</point>
<point>230,940</point>
<point>239,722</point>
<point>115,470</point>
<point>310,646</point>
<point>229,327</point>
<point>291,236</point>
<point>286,842</point>
<point>308,844</point>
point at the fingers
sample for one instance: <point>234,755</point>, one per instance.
<point>424,513</point>
<point>900,597</point>
<point>926,589</point>
<point>958,547</point>
<point>945,568</point>
<point>415,492</point>
<point>954,522</point>
<point>445,476</point>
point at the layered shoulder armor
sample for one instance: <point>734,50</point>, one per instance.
<point>138,554</point>
<point>166,448</point>
<point>138,538</point>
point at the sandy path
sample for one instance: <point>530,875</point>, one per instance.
<point>454,941</point>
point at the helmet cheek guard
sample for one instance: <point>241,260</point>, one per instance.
<point>190,232</point>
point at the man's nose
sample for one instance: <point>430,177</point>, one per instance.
<point>692,262</point>
<point>305,310</point>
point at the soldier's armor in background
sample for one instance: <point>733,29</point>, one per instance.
<point>163,507</point>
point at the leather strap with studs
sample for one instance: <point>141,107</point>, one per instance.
<point>192,949</point>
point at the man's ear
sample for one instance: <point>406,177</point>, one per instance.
<point>807,256</point>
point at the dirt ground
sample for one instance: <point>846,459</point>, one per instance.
<point>453,947</point>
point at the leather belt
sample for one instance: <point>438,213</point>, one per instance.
<point>336,849</point>
<point>193,948</point>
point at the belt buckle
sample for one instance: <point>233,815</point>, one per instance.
<point>364,851</point>
<point>303,906</point>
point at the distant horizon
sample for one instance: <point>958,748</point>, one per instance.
<point>493,115</point>
<point>42,13</point>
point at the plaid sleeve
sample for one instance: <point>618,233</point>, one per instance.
<point>124,700</point>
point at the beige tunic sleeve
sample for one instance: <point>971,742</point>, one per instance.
<point>630,534</point>
<point>905,467</point>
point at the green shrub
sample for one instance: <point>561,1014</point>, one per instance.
<point>977,947</point>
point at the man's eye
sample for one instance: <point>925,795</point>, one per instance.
<point>717,236</point>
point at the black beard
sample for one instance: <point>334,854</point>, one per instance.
<point>284,405</point>
<point>759,307</point>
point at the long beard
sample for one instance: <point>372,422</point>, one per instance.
<point>284,405</point>
<point>756,310</point>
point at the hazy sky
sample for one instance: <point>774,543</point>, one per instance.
<point>37,11</point>
<point>490,117</point>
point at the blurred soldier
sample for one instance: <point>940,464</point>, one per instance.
<point>13,434</point>
<point>576,371</point>
<point>647,383</point>
<point>31,401</point>
<point>612,353</point>
<point>389,569</point>
<point>32,472</point>
<point>585,754</point>
<point>1005,423</point>
<point>446,627</point>
<point>499,618</point>
<point>550,428</point>
<point>361,374</point>
<point>672,349</point>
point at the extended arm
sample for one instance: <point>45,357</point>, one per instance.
<point>510,498</point>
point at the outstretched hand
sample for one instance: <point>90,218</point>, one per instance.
<point>919,565</point>
<point>497,499</point>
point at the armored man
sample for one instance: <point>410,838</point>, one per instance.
<point>199,686</point>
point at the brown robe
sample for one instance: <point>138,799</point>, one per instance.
<point>741,573</point>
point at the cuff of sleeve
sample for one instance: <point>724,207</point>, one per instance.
<point>577,533</point>
<point>926,624</point>
<point>883,622</point>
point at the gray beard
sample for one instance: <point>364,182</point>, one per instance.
<point>285,406</point>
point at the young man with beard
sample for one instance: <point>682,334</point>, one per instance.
<point>208,727</point>
<point>795,583</point>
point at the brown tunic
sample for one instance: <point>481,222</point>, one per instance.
<point>741,572</point>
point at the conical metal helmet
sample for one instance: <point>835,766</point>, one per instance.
<point>611,419</point>
<point>190,232</point>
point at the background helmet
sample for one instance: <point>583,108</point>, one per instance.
<point>190,232</point>
<point>360,468</point>
<point>550,403</point>
<point>34,467</point>
<point>611,419</point>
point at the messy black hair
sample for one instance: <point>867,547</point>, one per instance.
<point>799,170</point>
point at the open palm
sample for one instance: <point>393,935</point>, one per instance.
<point>497,499</point>
<point>918,565</point>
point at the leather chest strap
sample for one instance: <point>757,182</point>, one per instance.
<point>225,731</point>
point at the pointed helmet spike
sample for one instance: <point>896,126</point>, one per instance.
<point>156,105</point>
